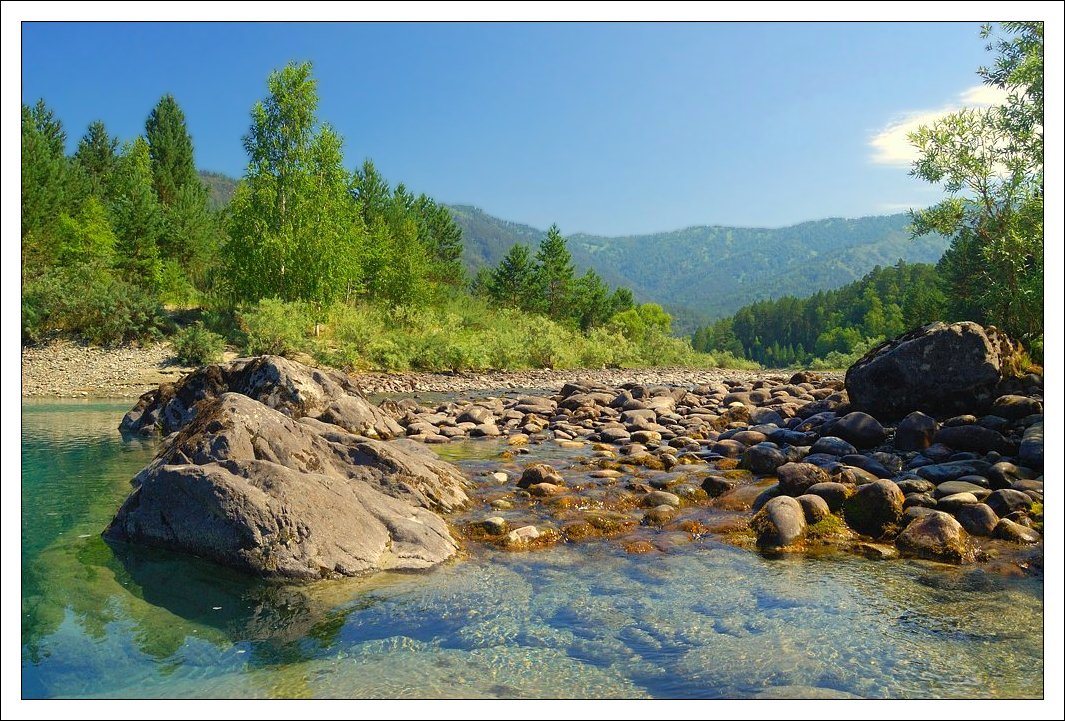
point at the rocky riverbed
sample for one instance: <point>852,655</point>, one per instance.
<point>785,463</point>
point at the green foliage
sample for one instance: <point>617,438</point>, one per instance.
<point>87,237</point>
<point>457,334</point>
<point>275,327</point>
<point>197,346</point>
<point>547,285</point>
<point>554,275</point>
<point>829,327</point>
<point>191,235</point>
<point>990,163</point>
<point>89,303</point>
<point>48,188</point>
<point>292,232</point>
<point>513,281</point>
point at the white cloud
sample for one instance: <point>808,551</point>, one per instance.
<point>891,146</point>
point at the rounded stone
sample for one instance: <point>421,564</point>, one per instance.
<point>937,536</point>
<point>495,525</point>
<point>539,473</point>
<point>813,507</point>
<point>978,519</point>
<point>949,488</point>
<point>781,522</point>
<point>796,478</point>
<point>859,429</point>
<point>833,446</point>
<point>954,502</point>
<point>1006,500</point>
<point>1011,531</point>
<point>915,432</point>
<point>834,493</point>
<point>875,508</point>
<point>762,459</point>
<point>661,498</point>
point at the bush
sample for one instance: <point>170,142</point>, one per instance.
<point>273,327</point>
<point>197,346</point>
<point>89,303</point>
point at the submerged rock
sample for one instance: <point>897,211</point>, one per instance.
<point>250,487</point>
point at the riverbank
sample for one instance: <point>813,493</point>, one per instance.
<point>63,369</point>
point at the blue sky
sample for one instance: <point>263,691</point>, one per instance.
<point>610,128</point>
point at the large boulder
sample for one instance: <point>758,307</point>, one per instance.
<point>938,369</point>
<point>250,487</point>
<point>287,386</point>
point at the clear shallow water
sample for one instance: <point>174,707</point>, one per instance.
<point>704,620</point>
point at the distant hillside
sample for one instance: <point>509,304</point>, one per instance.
<point>708,272</point>
<point>220,188</point>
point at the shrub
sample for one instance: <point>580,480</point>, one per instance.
<point>195,345</point>
<point>89,303</point>
<point>273,327</point>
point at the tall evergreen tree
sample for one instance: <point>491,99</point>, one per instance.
<point>46,177</point>
<point>554,274</point>
<point>591,300</point>
<point>97,158</point>
<point>170,148</point>
<point>513,281</point>
<point>136,217</point>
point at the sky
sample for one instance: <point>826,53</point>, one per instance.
<point>604,128</point>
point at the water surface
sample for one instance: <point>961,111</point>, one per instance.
<point>702,620</point>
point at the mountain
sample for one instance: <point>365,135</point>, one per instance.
<point>220,188</point>
<point>707,272</point>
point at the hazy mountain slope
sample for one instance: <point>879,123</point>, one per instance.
<point>706,272</point>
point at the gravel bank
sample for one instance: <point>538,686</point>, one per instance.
<point>62,369</point>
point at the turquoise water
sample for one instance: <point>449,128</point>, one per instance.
<point>703,620</point>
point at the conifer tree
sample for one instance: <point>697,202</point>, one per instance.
<point>170,148</point>
<point>554,274</point>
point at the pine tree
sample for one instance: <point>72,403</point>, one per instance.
<point>591,301</point>
<point>513,281</point>
<point>170,148</point>
<point>554,274</point>
<point>136,217</point>
<point>97,158</point>
<point>46,177</point>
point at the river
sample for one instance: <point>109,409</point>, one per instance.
<point>588,620</point>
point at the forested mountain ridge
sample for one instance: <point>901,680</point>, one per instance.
<point>705,272</point>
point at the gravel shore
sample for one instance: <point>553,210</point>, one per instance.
<point>63,369</point>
